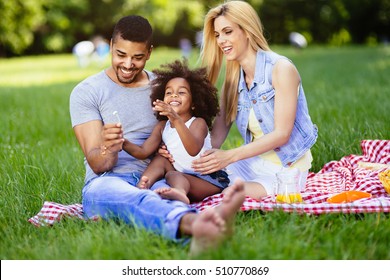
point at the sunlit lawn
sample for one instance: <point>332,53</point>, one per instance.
<point>348,93</point>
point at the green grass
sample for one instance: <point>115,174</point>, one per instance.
<point>348,93</point>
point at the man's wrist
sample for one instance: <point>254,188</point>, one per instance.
<point>105,151</point>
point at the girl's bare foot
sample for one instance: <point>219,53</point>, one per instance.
<point>143,183</point>
<point>174,194</point>
<point>211,226</point>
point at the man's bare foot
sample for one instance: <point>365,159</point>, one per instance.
<point>174,194</point>
<point>143,183</point>
<point>209,231</point>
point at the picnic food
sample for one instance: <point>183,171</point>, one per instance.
<point>372,165</point>
<point>384,177</point>
<point>289,198</point>
<point>348,196</point>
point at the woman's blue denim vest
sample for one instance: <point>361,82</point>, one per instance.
<point>261,97</point>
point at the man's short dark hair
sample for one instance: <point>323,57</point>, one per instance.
<point>133,28</point>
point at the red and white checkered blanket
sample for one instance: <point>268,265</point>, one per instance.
<point>334,177</point>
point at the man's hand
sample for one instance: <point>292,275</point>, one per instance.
<point>112,138</point>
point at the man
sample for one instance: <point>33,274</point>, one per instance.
<point>111,173</point>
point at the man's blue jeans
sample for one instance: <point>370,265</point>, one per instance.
<point>114,195</point>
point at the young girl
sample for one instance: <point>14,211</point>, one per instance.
<point>185,103</point>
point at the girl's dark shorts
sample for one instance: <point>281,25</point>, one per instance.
<point>219,178</point>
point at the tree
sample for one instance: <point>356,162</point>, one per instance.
<point>369,20</point>
<point>19,20</point>
<point>317,20</point>
<point>42,26</point>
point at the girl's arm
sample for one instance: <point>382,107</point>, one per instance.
<point>193,140</point>
<point>149,146</point>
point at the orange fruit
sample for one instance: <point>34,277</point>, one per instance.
<point>348,196</point>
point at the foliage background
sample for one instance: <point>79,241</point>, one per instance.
<point>51,26</point>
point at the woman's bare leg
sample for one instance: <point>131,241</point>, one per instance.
<point>253,190</point>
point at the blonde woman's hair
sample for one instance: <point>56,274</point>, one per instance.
<point>242,14</point>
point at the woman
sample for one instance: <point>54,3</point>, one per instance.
<point>263,93</point>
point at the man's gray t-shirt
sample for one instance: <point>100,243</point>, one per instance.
<point>97,97</point>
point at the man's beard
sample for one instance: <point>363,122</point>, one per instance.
<point>127,80</point>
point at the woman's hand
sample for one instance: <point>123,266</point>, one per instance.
<point>212,161</point>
